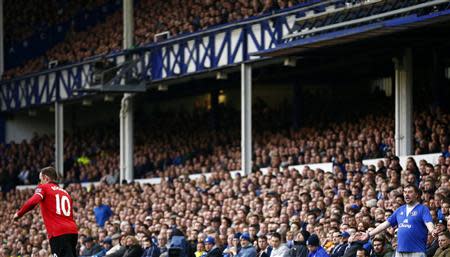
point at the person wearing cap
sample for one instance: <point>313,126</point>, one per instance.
<point>341,244</point>
<point>91,247</point>
<point>315,250</point>
<point>211,248</point>
<point>278,249</point>
<point>106,245</point>
<point>380,248</point>
<point>117,249</point>
<point>414,222</point>
<point>441,225</point>
<point>234,247</point>
<point>247,249</point>
<point>299,249</point>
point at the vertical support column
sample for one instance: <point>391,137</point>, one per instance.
<point>59,138</point>
<point>128,24</point>
<point>246,118</point>
<point>2,36</point>
<point>403,104</point>
<point>126,111</point>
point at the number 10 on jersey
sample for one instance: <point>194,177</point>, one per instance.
<point>62,203</point>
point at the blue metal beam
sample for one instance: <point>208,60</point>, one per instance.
<point>202,51</point>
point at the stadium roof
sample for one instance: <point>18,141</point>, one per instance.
<point>374,30</point>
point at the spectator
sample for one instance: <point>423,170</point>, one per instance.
<point>150,248</point>
<point>91,247</point>
<point>102,212</point>
<point>117,248</point>
<point>162,243</point>
<point>211,248</point>
<point>247,249</point>
<point>361,252</point>
<point>263,249</point>
<point>341,243</point>
<point>353,245</point>
<point>278,249</point>
<point>233,245</point>
<point>106,245</point>
<point>441,226</point>
<point>200,250</point>
<point>444,245</point>
<point>380,248</point>
<point>299,249</point>
<point>315,250</point>
<point>132,247</point>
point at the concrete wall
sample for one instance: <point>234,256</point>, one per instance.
<point>22,126</point>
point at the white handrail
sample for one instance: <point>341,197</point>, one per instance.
<point>374,17</point>
<point>345,8</point>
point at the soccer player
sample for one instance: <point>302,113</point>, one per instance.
<point>57,213</point>
<point>413,221</point>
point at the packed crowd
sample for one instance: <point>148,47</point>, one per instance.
<point>162,149</point>
<point>22,18</point>
<point>151,17</point>
<point>284,213</point>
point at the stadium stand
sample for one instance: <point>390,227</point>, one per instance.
<point>165,150</point>
<point>157,220</point>
<point>22,19</point>
<point>33,28</point>
<point>318,201</point>
<point>175,17</point>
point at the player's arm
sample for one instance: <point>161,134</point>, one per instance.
<point>428,220</point>
<point>29,205</point>
<point>380,228</point>
<point>431,229</point>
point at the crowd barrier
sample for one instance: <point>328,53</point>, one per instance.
<point>327,167</point>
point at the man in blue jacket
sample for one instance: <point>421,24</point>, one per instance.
<point>315,250</point>
<point>102,212</point>
<point>247,249</point>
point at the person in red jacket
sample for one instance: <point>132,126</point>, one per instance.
<point>57,212</point>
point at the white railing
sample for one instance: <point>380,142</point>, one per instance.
<point>327,167</point>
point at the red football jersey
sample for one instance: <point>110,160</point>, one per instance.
<point>56,208</point>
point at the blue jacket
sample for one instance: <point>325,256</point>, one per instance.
<point>319,252</point>
<point>152,251</point>
<point>248,251</point>
<point>102,214</point>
